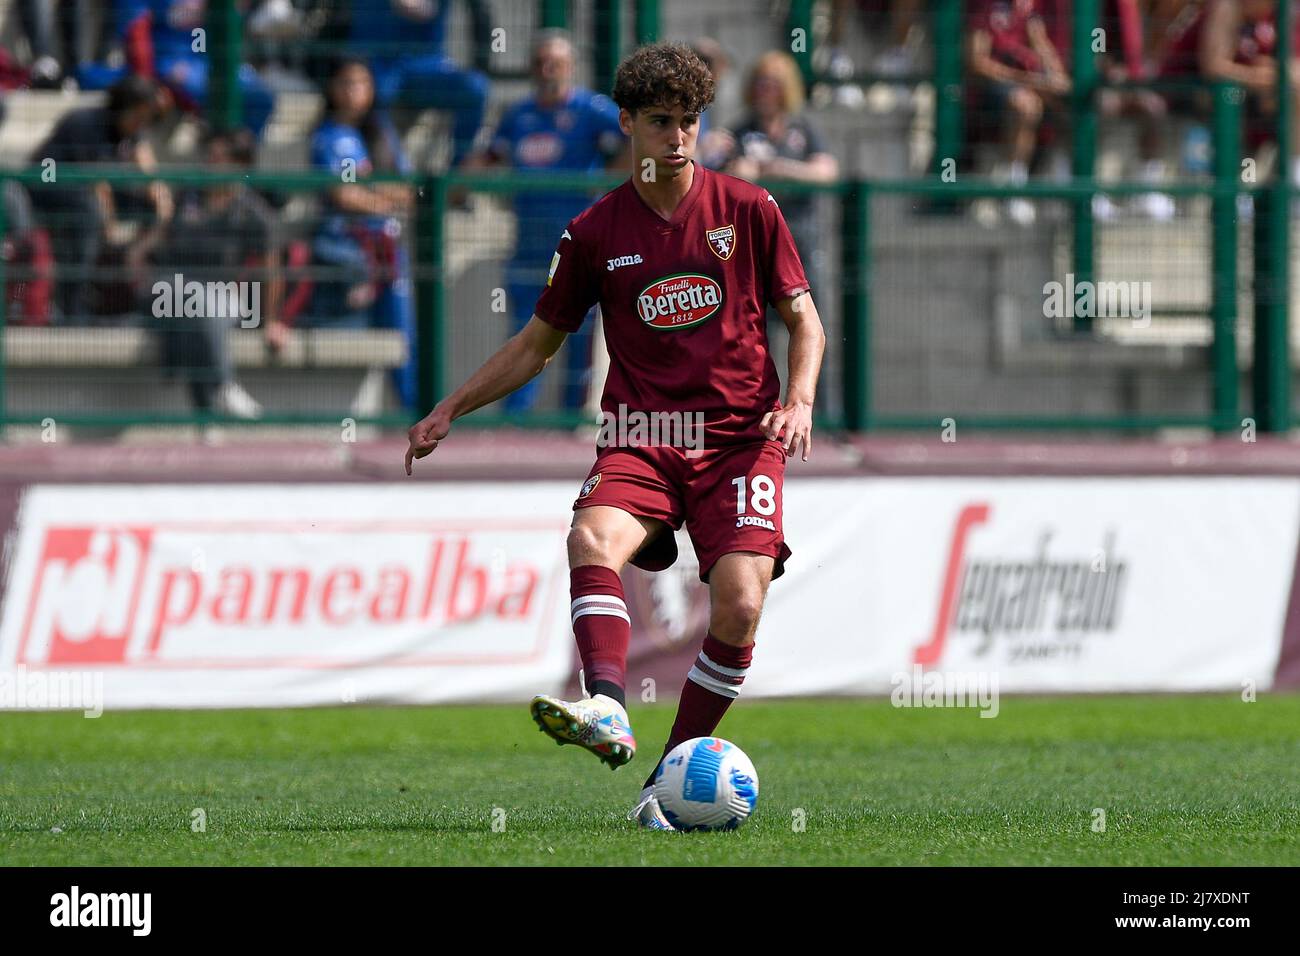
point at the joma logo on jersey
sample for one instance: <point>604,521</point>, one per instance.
<point>622,261</point>
<point>722,241</point>
<point>678,302</point>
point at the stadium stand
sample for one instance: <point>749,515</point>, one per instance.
<point>887,89</point>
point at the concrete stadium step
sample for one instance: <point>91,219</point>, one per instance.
<point>132,347</point>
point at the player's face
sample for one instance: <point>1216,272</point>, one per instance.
<point>664,134</point>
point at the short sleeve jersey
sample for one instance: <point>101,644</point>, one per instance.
<point>683,300</point>
<point>340,148</point>
<point>1007,22</point>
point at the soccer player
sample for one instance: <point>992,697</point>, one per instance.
<point>683,262</point>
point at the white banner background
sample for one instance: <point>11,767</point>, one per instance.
<point>1208,564</point>
<point>414,594</point>
<point>101,580</point>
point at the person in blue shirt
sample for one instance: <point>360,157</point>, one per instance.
<point>560,127</point>
<point>405,40</point>
<point>159,40</point>
<point>358,248</point>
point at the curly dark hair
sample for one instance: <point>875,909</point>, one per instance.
<point>663,74</point>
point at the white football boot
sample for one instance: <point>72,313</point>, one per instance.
<point>598,724</point>
<point>647,812</point>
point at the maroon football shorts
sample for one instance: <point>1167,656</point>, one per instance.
<point>728,497</point>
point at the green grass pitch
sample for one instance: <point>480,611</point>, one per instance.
<point>1200,780</point>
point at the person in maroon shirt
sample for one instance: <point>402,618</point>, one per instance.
<point>684,262</point>
<point>1236,41</point>
<point>1017,74</point>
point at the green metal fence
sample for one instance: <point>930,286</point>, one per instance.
<point>878,222</point>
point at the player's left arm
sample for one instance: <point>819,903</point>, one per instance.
<point>792,425</point>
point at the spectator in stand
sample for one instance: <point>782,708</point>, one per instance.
<point>159,40</point>
<point>1017,74</point>
<point>560,127</point>
<point>898,22</point>
<point>1126,57</point>
<point>406,42</point>
<point>285,39</point>
<point>358,247</point>
<point>1236,41</point>
<point>221,234</point>
<point>48,23</point>
<point>86,223</point>
<point>776,141</point>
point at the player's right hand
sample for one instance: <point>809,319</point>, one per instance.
<point>425,435</point>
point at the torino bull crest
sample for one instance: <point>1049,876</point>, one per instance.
<point>722,241</point>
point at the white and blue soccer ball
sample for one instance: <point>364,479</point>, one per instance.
<point>706,784</point>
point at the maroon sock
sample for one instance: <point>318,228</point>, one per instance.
<point>712,684</point>
<point>601,627</point>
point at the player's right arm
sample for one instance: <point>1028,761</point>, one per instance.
<point>520,359</point>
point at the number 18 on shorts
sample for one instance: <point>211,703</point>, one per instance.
<point>729,498</point>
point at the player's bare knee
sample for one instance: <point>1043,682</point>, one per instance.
<point>735,615</point>
<point>586,545</point>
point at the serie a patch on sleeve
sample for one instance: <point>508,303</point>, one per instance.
<point>555,261</point>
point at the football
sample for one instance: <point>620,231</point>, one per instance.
<point>707,783</point>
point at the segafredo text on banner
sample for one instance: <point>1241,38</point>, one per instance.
<point>1083,584</point>
<point>192,595</point>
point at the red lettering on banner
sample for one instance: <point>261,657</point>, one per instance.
<point>101,596</point>
<point>302,583</point>
<point>85,592</point>
<point>390,607</point>
<point>165,616</point>
<point>235,590</point>
<point>521,583</point>
<point>969,516</point>
<point>327,595</point>
<point>478,581</point>
<point>435,565</point>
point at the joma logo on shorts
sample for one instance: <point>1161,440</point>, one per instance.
<point>755,522</point>
<point>622,261</point>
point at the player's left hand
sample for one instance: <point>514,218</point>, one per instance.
<point>792,426</point>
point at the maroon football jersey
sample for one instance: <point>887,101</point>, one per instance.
<point>683,301</point>
<point>1007,22</point>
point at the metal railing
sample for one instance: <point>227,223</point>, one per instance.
<point>860,239</point>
